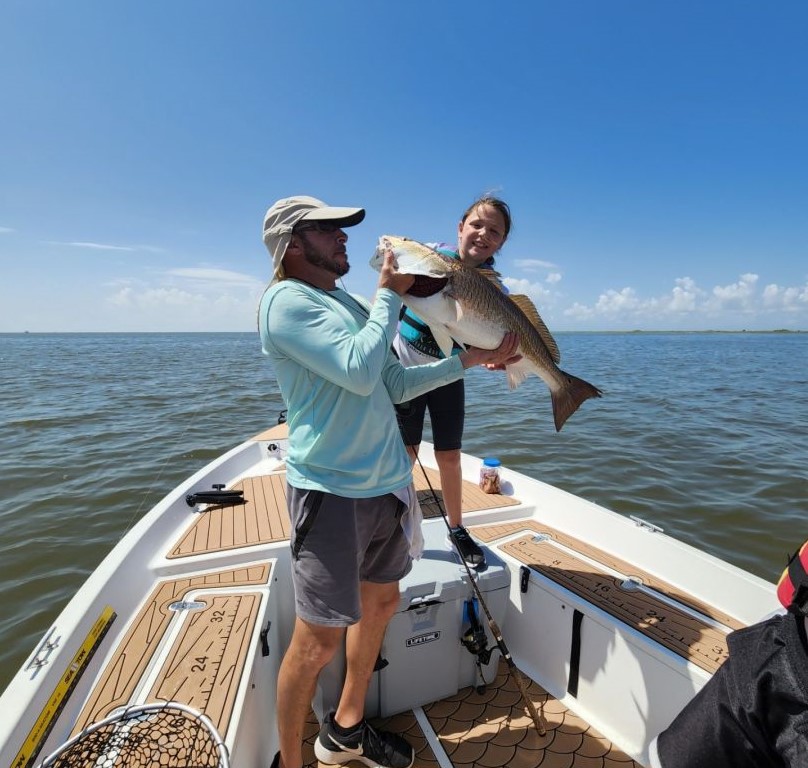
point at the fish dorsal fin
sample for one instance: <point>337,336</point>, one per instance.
<point>532,314</point>
<point>492,276</point>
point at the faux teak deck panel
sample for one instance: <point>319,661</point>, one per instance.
<point>677,630</point>
<point>263,519</point>
<point>492,729</point>
<point>204,666</point>
<point>489,729</point>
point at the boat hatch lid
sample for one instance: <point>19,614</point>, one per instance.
<point>440,577</point>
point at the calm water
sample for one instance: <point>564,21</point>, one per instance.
<point>702,434</point>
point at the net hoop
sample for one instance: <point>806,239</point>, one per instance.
<point>132,736</point>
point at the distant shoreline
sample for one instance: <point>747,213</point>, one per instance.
<point>775,330</point>
<point>636,332</point>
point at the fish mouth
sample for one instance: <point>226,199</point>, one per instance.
<point>425,286</point>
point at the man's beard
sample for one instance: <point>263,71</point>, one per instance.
<point>317,259</point>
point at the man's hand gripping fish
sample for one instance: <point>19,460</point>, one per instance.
<point>461,303</point>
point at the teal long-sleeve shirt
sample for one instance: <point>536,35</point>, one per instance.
<point>339,379</point>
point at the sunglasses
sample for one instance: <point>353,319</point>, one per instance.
<point>317,226</point>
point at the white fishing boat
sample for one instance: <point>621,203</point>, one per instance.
<point>612,625</point>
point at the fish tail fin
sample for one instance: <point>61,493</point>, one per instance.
<point>568,398</point>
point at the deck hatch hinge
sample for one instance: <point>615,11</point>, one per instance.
<point>265,639</point>
<point>524,578</point>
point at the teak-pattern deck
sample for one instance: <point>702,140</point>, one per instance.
<point>474,499</point>
<point>263,519</point>
<point>681,632</point>
<point>492,729</point>
<point>488,533</point>
<point>211,690</point>
<point>489,729</point>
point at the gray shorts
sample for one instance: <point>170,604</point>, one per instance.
<point>336,543</point>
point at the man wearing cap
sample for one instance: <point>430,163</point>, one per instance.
<point>355,521</point>
<point>753,712</point>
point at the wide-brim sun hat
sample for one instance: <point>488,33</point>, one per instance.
<point>283,215</point>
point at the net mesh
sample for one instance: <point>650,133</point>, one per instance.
<point>151,736</point>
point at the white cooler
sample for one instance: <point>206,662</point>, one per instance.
<point>425,658</point>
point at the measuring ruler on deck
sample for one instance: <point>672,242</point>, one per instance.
<point>61,693</point>
<point>205,662</point>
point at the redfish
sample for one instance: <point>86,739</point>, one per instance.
<point>466,305</point>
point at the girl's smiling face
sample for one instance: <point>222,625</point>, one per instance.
<point>480,235</point>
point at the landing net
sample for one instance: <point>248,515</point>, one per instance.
<point>169,735</point>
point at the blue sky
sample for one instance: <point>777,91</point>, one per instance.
<point>654,153</point>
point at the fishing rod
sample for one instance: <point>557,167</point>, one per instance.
<point>538,720</point>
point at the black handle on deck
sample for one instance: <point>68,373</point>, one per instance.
<point>214,497</point>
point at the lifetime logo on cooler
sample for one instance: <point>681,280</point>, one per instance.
<point>415,640</point>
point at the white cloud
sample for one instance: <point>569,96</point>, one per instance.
<point>612,301</point>
<point>214,276</point>
<point>156,298</point>
<point>106,246</point>
<point>543,293</point>
<point>579,311</point>
<point>685,295</point>
<point>786,299</point>
<point>688,306</point>
<point>96,246</point>
<point>148,248</point>
<point>682,299</point>
<point>536,291</point>
<point>188,299</point>
<point>533,265</point>
<point>738,295</point>
<point>6,230</point>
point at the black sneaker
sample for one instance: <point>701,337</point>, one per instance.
<point>460,541</point>
<point>377,749</point>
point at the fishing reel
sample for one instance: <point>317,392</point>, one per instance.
<point>474,639</point>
